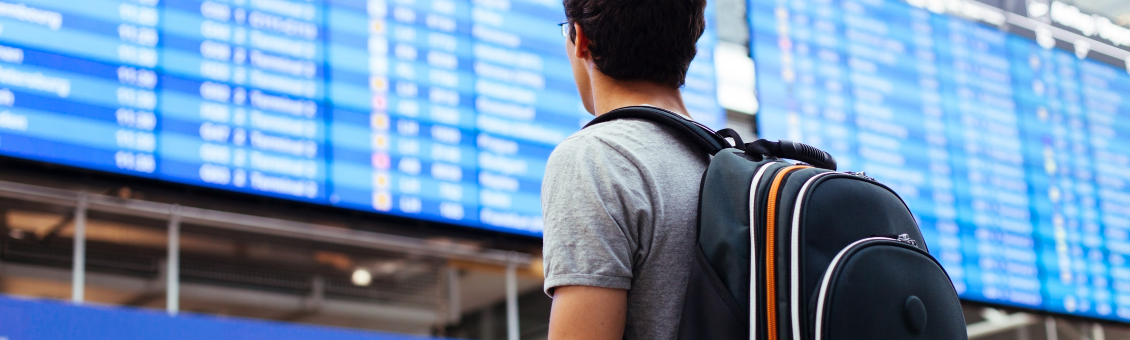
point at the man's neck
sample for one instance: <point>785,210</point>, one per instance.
<point>610,94</point>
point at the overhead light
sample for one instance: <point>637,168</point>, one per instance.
<point>362,277</point>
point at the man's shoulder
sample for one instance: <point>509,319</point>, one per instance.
<point>628,137</point>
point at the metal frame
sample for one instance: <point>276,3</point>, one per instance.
<point>512,332</point>
<point>259,225</point>
<point>79,264</point>
<point>172,264</point>
<point>176,215</point>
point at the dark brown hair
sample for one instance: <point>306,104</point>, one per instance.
<point>652,40</point>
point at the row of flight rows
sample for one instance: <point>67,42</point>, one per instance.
<point>1008,152</point>
<point>439,109</point>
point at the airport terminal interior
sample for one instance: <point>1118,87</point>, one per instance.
<point>371,169</point>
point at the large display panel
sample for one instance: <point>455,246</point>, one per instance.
<point>443,110</point>
<point>1012,156</point>
<point>40,319</point>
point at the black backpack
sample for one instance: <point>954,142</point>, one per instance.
<point>836,255</point>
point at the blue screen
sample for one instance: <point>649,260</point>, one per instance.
<point>54,320</point>
<point>1011,156</point>
<point>443,110</point>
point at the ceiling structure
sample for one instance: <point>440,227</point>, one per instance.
<point>1119,10</point>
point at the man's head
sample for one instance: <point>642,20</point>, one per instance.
<point>633,40</point>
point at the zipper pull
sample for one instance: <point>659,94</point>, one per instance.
<point>860,174</point>
<point>905,238</point>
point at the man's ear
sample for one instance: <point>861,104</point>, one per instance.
<point>581,42</point>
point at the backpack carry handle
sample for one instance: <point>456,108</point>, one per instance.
<point>796,151</point>
<point>783,149</point>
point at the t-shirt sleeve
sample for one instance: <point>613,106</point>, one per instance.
<point>593,199</point>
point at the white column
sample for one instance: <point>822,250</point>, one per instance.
<point>1049,326</point>
<point>172,264</point>
<point>1097,332</point>
<point>454,296</point>
<point>78,269</point>
<point>512,301</point>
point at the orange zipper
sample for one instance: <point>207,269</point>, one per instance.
<point>770,248</point>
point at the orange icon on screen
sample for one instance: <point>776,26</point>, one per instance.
<point>378,121</point>
<point>378,84</point>
<point>381,180</point>
<point>381,161</point>
<point>380,141</point>
<point>382,201</point>
<point>377,26</point>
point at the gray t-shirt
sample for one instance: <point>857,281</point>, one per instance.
<point>620,201</point>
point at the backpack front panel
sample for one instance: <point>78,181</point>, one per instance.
<point>882,288</point>
<point>837,210</point>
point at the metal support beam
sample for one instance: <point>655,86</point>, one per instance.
<point>512,301</point>
<point>172,270</point>
<point>78,268</point>
<point>411,318</point>
<point>1050,328</point>
<point>454,296</point>
<point>265,226</point>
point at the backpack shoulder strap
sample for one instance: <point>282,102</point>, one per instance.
<point>713,142</point>
<point>698,134</point>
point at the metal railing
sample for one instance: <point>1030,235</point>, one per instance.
<point>82,202</point>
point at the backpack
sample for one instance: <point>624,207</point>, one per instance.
<point>835,255</point>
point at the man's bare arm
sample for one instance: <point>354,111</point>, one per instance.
<point>583,312</point>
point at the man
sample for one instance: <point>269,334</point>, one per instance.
<point>620,198</point>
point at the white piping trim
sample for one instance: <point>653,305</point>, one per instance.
<point>795,255</point>
<point>753,251</point>
<point>828,279</point>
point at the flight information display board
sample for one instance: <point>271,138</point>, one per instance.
<point>23,320</point>
<point>1011,155</point>
<point>443,110</point>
